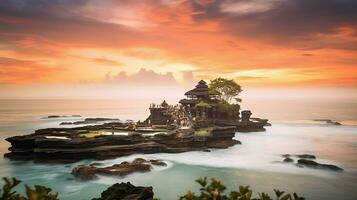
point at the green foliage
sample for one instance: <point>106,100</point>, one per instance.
<point>203,104</point>
<point>226,89</point>
<point>214,190</point>
<point>7,193</point>
<point>37,193</point>
<point>202,132</point>
<point>228,108</point>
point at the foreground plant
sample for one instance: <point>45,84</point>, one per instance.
<point>214,190</point>
<point>36,193</point>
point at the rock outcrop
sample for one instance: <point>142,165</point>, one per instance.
<point>138,165</point>
<point>288,160</point>
<point>316,165</point>
<point>306,160</point>
<point>73,144</point>
<point>59,116</point>
<point>126,191</point>
<point>89,121</point>
<point>328,121</point>
<point>306,156</point>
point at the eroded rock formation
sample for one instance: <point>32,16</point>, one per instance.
<point>138,165</point>
<point>73,144</point>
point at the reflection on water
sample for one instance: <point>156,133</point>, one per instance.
<point>256,162</point>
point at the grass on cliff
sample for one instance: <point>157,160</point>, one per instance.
<point>91,134</point>
<point>202,132</point>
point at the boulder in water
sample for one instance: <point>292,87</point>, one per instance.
<point>313,164</point>
<point>138,165</point>
<point>306,156</point>
<point>288,160</point>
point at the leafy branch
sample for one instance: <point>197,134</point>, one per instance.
<point>214,190</point>
<point>36,193</point>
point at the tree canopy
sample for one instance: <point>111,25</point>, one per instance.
<point>226,89</point>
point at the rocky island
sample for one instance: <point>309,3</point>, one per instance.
<point>205,120</point>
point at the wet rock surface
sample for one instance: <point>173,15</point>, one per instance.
<point>89,121</point>
<point>328,121</point>
<point>306,156</point>
<point>59,116</point>
<point>316,165</point>
<point>64,145</point>
<point>86,172</point>
<point>126,191</point>
<point>307,160</point>
<point>288,160</point>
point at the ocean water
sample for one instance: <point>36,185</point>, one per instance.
<point>257,162</point>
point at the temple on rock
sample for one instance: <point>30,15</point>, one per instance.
<point>201,106</point>
<point>200,93</point>
<point>201,121</point>
<point>205,105</point>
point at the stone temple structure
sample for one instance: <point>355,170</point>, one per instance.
<point>200,93</point>
<point>201,105</point>
<point>205,105</point>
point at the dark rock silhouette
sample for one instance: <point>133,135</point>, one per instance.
<point>59,116</point>
<point>89,121</point>
<point>328,121</point>
<point>316,165</point>
<point>306,156</point>
<point>126,191</point>
<point>306,160</point>
<point>288,159</point>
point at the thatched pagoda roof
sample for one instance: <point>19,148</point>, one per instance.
<point>188,101</point>
<point>201,89</point>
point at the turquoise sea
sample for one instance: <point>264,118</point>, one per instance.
<point>255,162</point>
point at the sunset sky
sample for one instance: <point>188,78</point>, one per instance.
<point>66,47</point>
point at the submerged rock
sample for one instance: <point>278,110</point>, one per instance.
<point>306,161</point>
<point>158,163</point>
<point>53,116</point>
<point>59,116</point>
<point>66,123</point>
<point>90,121</point>
<point>288,159</point>
<point>316,165</point>
<point>126,191</point>
<point>328,121</point>
<point>306,156</point>
<point>138,165</point>
<point>95,164</point>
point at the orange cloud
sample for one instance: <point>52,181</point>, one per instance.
<point>23,71</point>
<point>259,43</point>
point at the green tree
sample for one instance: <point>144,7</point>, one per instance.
<point>226,89</point>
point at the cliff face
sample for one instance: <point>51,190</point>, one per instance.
<point>66,145</point>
